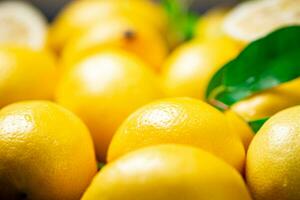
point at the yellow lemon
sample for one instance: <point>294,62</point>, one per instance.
<point>251,20</point>
<point>210,25</point>
<point>123,33</point>
<point>168,172</point>
<point>189,69</point>
<point>267,103</point>
<point>239,126</point>
<point>81,15</point>
<point>273,160</point>
<point>22,24</point>
<point>181,121</point>
<point>104,89</point>
<point>46,152</point>
<point>26,74</point>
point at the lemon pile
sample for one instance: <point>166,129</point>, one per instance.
<point>101,86</point>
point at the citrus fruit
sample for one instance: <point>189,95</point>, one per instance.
<point>167,172</point>
<point>22,24</point>
<point>181,121</point>
<point>46,152</point>
<point>188,70</point>
<point>81,15</point>
<point>254,19</point>
<point>267,103</point>
<point>239,126</point>
<point>122,33</point>
<point>210,25</point>
<point>25,74</point>
<point>273,160</point>
<point>103,89</point>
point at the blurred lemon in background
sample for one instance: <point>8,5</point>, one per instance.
<point>130,35</point>
<point>82,15</point>
<point>26,74</point>
<point>273,158</point>
<point>267,103</point>
<point>188,70</point>
<point>167,172</point>
<point>46,152</point>
<point>181,121</point>
<point>251,20</point>
<point>104,88</point>
<point>23,25</point>
<point>210,25</point>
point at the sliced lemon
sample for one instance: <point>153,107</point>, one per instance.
<point>22,24</point>
<point>254,19</point>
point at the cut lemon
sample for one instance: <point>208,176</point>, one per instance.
<point>254,19</point>
<point>22,24</point>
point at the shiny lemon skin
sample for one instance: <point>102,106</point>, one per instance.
<point>46,152</point>
<point>103,89</point>
<point>181,121</point>
<point>168,172</point>
<point>268,103</point>
<point>273,161</point>
<point>26,74</point>
<point>188,70</point>
<point>240,127</point>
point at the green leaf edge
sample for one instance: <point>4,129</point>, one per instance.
<point>100,165</point>
<point>215,85</point>
<point>257,124</point>
<point>181,18</point>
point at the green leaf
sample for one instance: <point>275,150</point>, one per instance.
<point>100,165</point>
<point>257,124</point>
<point>263,64</point>
<point>182,21</point>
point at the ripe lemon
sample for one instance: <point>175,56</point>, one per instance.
<point>82,15</point>
<point>167,172</point>
<point>267,103</point>
<point>210,25</point>
<point>254,19</point>
<point>22,24</point>
<point>239,126</point>
<point>273,160</point>
<point>104,89</point>
<point>181,121</point>
<point>189,69</point>
<point>25,74</point>
<point>123,33</point>
<point>46,152</point>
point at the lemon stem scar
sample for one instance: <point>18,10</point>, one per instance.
<point>129,35</point>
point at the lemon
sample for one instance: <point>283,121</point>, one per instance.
<point>273,158</point>
<point>254,19</point>
<point>81,15</point>
<point>104,88</point>
<point>123,33</point>
<point>189,69</point>
<point>46,152</point>
<point>210,25</point>
<point>181,121</point>
<point>240,127</point>
<point>26,74</point>
<point>22,24</point>
<point>267,103</point>
<point>167,172</point>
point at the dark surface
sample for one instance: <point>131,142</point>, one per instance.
<point>51,7</point>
